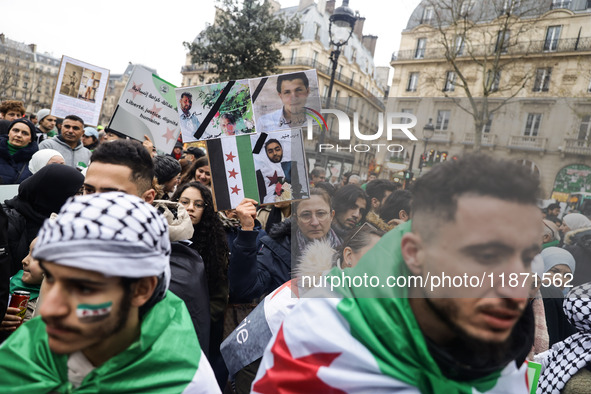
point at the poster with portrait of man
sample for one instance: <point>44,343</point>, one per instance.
<point>285,101</point>
<point>80,90</point>
<point>216,110</point>
<point>267,167</point>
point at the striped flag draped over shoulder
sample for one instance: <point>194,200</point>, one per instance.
<point>233,173</point>
<point>165,358</point>
<point>336,343</point>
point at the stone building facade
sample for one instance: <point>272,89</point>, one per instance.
<point>26,74</point>
<point>541,89</point>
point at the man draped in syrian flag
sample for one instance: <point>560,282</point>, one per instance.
<point>108,323</point>
<point>472,218</point>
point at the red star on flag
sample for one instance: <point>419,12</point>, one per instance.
<point>169,135</point>
<point>273,179</point>
<point>230,157</point>
<point>287,284</point>
<point>235,189</point>
<point>232,173</point>
<point>135,90</point>
<point>154,111</point>
<point>295,375</point>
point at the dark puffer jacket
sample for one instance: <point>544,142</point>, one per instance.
<point>578,243</point>
<point>38,197</point>
<point>15,168</point>
<point>256,271</point>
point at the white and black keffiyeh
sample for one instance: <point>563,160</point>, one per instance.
<point>116,234</point>
<point>566,358</point>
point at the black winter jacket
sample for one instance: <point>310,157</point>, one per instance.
<point>256,271</point>
<point>189,282</point>
<point>15,168</point>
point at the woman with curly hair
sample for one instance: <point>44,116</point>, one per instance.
<point>209,240</point>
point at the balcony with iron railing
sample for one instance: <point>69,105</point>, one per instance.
<point>580,44</point>
<point>520,142</point>
<point>488,140</point>
<point>575,146</point>
<point>327,71</point>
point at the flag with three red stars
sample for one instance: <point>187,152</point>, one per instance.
<point>233,174</point>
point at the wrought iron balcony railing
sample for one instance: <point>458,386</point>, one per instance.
<point>580,44</point>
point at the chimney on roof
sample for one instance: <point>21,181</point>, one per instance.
<point>370,43</point>
<point>321,6</point>
<point>33,47</point>
<point>359,27</point>
<point>2,38</point>
<point>330,7</point>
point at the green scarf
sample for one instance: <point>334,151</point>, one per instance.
<point>556,242</point>
<point>164,359</point>
<point>17,284</point>
<point>12,149</point>
<point>382,320</point>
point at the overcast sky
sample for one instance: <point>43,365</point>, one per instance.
<point>112,33</point>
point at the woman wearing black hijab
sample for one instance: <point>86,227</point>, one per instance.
<point>16,149</point>
<point>38,197</point>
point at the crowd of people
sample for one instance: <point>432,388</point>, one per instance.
<point>138,284</point>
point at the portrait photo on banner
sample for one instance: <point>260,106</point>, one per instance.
<point>285,101</point>
<point>267,167</point>
<point>216,110</point>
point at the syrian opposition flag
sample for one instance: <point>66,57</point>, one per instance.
<point>90,313</point>
<point>233,175</point>
<point>248,341</point>
<point>346,341</point>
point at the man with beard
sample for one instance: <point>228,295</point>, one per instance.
<point>273,177</point>
<point>108,322</point>
<point>350,207</point>
<point>408,328</point>
<point>189,121</point>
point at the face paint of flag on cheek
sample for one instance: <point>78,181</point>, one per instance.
<point>90,313</point>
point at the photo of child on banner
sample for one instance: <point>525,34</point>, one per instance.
<point>285,101</point>
<point>268,168</point>
<point>215,110</point>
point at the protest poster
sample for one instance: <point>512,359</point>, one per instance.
<point>268,168</point>
<point>147,107</point>
<point>80,90</point>
<point>215,110</point>
<point>285,101</point>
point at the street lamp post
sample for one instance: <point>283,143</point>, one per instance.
<point>408,173</point>
<point>343,18</point>
<point>428,132</point>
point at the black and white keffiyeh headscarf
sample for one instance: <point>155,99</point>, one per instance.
<point>566,358</point>
<point>115,234</point>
